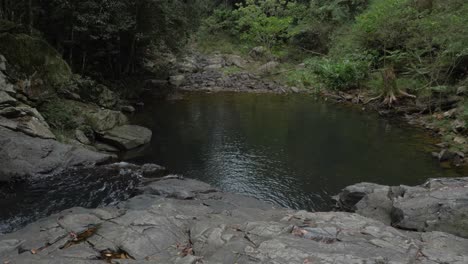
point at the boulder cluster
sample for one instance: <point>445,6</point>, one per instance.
<point>29,143</point>
<point>226,72</point>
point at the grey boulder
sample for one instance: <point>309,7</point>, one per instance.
<point>268,67</point>
<point>177,80</point>
<point>6,99</point>
<point>127,137</point>
<point>25,156</point>
<point>26,120</point>
<point>437,205</point>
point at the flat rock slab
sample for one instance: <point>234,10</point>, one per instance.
<point>25,156</point>
<point>437,205</point>
<point>127,137</point>
<point>215,227</point>
<point>27,120</point>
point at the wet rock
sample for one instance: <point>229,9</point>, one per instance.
<point>450,113</point>
<point>295,90</point>
<point>458,126</point>
<point>127,109</point>
<point>187,65</point>
<point>96,93</point>
<point>25,156</point>
<point>446,155</point>
<point>268,67</point>
<point>127,137</point>
<point>5,86</point>
<point>462,90</point>
<point>70,95</point>
<point>214,67</point>
<point>177,80</point>
<point>154,84</point>
<point>216,227</point>
<point>105,147</point>
<point>2,63</point>
<point>33,126</point>
<point>105,119</point>
<point>178,189</point>
<point>234,60</point>
<point>106,97</point>
<point>81,137</point>
<point>6,99</point>
<point>437,205</point>
<point>26,120</point>
<point>459,140</point>
<point>258,52</point>
<point>153,171</point>
<point>440,205</point>
<point>367,199</point>
<point>11,112</point>
<point>215,81</point>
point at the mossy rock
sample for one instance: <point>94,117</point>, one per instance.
<point>67,115</point>
<point>34,55</point>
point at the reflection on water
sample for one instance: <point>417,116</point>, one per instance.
<point>291,150</point>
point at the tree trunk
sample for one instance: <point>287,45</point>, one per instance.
<point>29,16</point>
<point>3,9</point>
<point>83,62</point>
<point>72,38</point>
<point>131,57</point>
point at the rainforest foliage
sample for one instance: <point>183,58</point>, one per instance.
<point>347,44</point>
<point>109,37</point>
<point>342,44</point>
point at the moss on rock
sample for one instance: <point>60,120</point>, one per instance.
<point>34,55</point>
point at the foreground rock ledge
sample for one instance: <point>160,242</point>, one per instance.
<point>437,205</point>
<point>186,221</point>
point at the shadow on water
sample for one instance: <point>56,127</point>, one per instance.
<point>291,150</point>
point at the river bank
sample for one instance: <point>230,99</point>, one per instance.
<point>178,220</point>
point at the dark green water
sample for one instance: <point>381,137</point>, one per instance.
<point>291,150</point>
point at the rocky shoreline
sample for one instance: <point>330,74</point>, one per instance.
<point>177,220</point>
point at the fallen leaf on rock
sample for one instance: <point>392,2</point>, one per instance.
<point>109,255</point>
<point>185,249</point>
<point>325,235</point>
<point>80,237</point>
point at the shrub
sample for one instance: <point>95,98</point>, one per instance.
<point>221,21</point>
<point>301,78</point>
<point>59,115</point>
<point>342,74</point>
<point>265,22</point>
<point>425,43</point>
<point>385,25</point>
